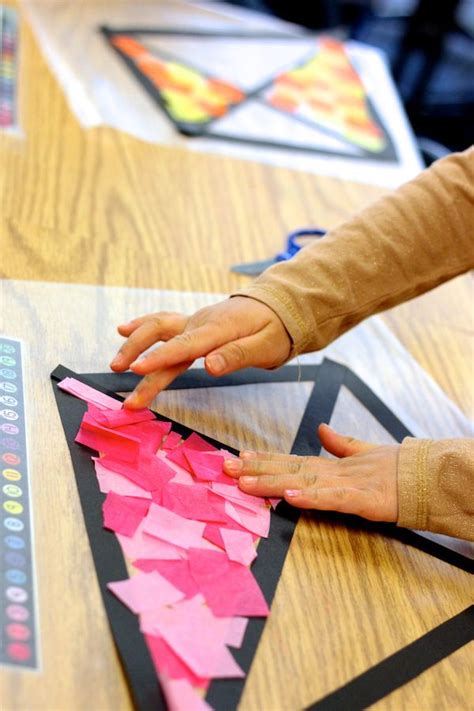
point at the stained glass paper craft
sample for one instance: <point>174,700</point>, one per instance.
<point>311,100</point>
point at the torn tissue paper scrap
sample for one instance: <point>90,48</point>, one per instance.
<point>189,532</point>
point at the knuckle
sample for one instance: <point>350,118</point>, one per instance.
<point>255,466</point>
<point>236,353</point>
<point>184,339</point>
<point>340,494</point>
<point>309,479</point>
<point>156,320</point>
<point>270,480</point>
<point>297,465</point>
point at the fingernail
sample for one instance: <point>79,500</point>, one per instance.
<point>131,400</point>
<point>233,465</point>
<point>116,360</point>
<point>292,492</point>
<point>248,479</point>
<point>135,364</point>
<point>216,363</point>
<point>247,454</point>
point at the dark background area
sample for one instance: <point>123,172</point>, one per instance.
<point>429,45</point>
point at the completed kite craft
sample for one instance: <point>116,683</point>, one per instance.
<point>189,532</point>
<point>321,91</point>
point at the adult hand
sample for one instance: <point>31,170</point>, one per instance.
<point>233,334</point>
<point>362,481</point>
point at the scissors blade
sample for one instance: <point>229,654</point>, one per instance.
<point>253,268</point>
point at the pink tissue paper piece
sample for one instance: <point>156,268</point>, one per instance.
<point>149,472</point>
<point>258,523</point>
<point>236,631</point>
<point>85,392</point>
<point>239,546</point>
<point>205,466</point>
<point>212,532</point>
<point>204,650</point>
<point>192,502</point>
<point>181,696</point>
<point>172,440</point>
<point>123,514</point>
<point>145,591</point>
<point>118,418</point>
<point>107,441</point>
<point>229,588</point>
<point>170,527</point>
<point>235,495</point>
<point>167,662</point>
<point>111,481</point>
<point>150,433</point>
<point>176,572</point>
<point>178,457</point>
<point>141,545</point>
<point>195,441</point>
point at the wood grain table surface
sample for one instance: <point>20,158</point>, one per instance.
<point>100,207</point>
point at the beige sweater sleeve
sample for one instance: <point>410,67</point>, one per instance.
<point>436,486</point>
<point>401,246</point>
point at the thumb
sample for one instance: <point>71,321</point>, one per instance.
<point>340,445</point>
<point>251,351</point>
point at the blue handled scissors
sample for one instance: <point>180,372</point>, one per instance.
<point>294,242</point>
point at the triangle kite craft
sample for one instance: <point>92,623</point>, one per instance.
<point>279,91</point>
<point>192,614</point>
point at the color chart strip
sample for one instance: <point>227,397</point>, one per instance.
<point>8,66</point>
<point>18,605</point>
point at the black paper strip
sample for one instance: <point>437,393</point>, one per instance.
<point>108,560</point>
<point>401,667</point>
<point>199,378</point>
<point>272,551</point>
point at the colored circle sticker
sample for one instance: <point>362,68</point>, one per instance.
<point>6,347</point>
<point>18,631</point>
<point>11,474</point>
<point>7,373</point>
<point>12,490</point>
<point>9,442</point>
<point>8,428</point>
<point>13,507</point>
<point>8,400</point>
<point>19,613</point>
<point>16,559</point>
<point>10,458</point>
<point>15,594</point>
<point>13,524</point>
<point>14,542</point>
<point>15,577</point>
<point>19,651</point>
<point>9,414</point>
<point>7,360</point>
<point>8,387</point>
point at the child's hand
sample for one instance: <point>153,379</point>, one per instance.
<point>362,481</point>
<point>233,334</point>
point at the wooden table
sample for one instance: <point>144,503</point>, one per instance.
<point>99,207</point>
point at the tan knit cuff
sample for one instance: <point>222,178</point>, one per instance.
<point>412,481</point>
<point>276,301</point>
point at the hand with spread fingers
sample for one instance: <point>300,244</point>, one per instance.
<point>362,481</point>
<point>233,334</point>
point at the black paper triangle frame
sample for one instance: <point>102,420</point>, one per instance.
<point>223,695</point>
